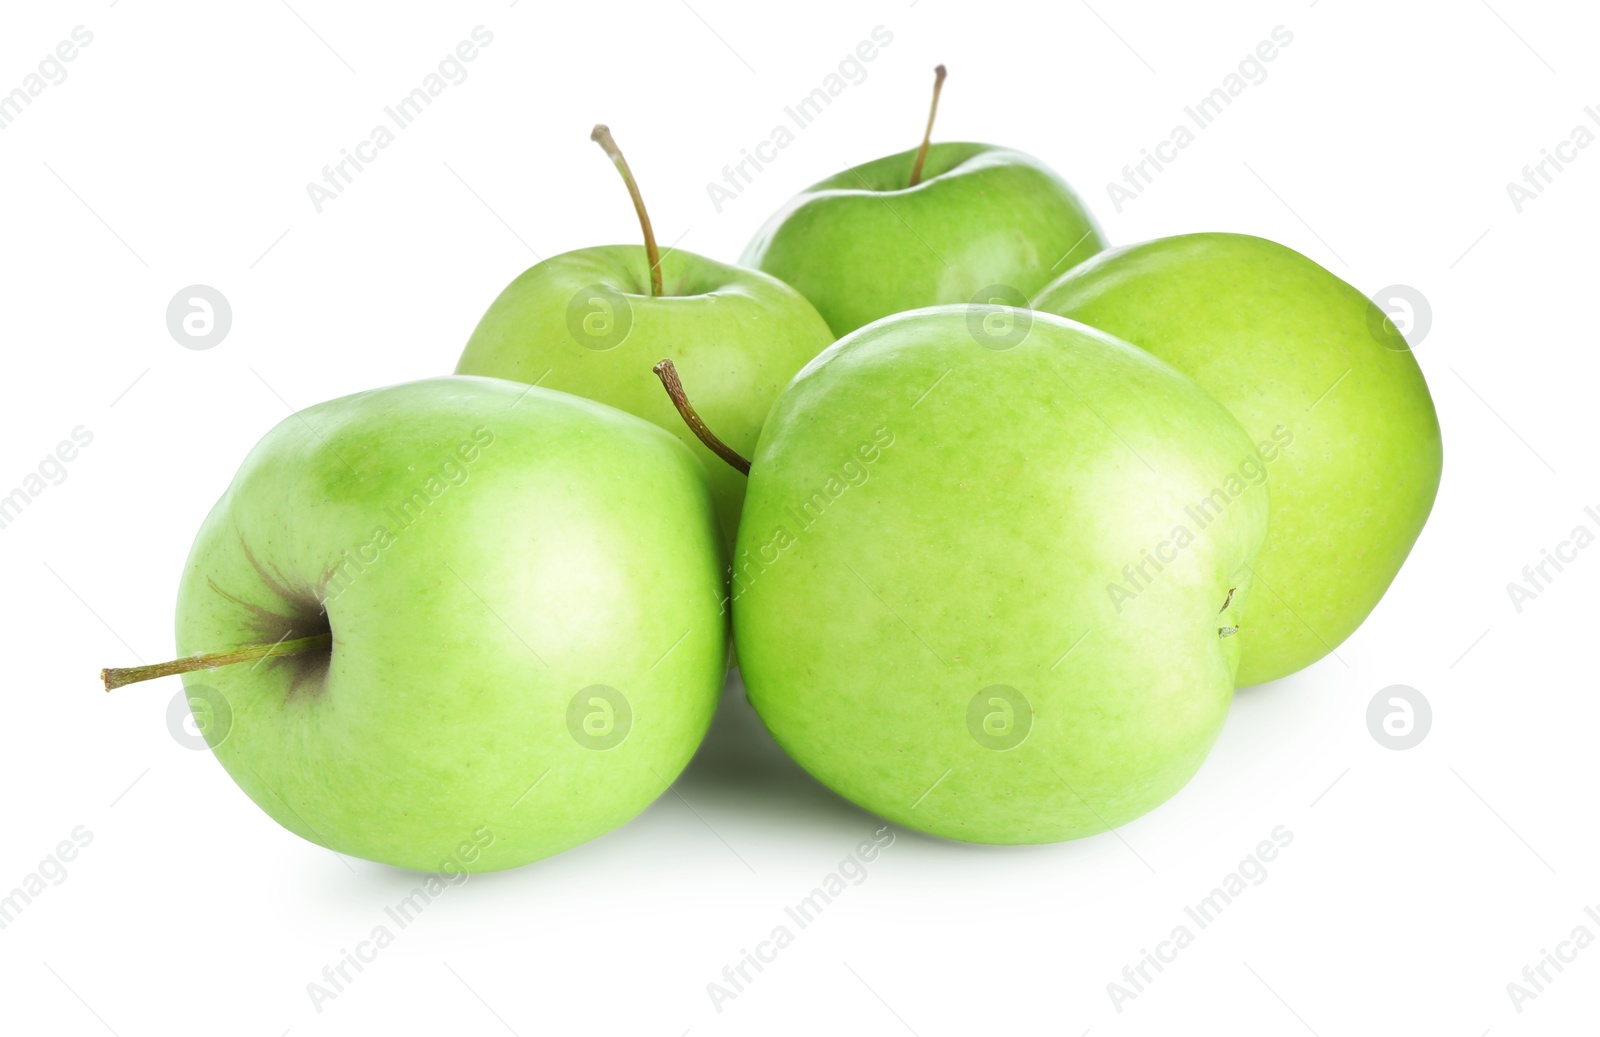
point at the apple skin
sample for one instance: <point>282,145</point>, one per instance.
<point>929,519</point>
<point>1269,333</point>
<point>736,336</point>
<point>861,245</point>
<point>545,524</point>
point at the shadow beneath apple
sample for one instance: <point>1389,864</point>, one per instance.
<point>741,771</point>
<point>741,785</point>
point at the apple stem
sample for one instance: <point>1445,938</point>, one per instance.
<point>669,379</point>
<point>927,135</point>
<point>1227,631</point>
<point>602,136</point>
<point>117,677</point>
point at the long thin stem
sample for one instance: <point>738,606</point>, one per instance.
<point>602,136</point>
<point>927,134</point>
<point>669,379</point>
<point>117,677</point>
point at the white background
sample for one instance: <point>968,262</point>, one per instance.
<point>1419,883</point>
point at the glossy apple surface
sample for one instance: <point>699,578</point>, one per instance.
<point>938,603</point>
<point>1327,387</point>
<point>524,594</point>
<point>862,244</point>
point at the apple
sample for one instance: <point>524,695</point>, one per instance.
<point>1327,387</point>
<point>594,321</point>
<point>941,223</point>
<point>988,572</point>
<point>455,625</point>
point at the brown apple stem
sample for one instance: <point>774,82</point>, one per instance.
<point>117,677</point>
<point>602,136</point>
<point>927,135</point>
<point>669,378</point>
<point>1227,631</point>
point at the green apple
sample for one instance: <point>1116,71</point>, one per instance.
<point>1326,386</point>
<point>984,224</point>
<point>988,572</point>
<point>594,321</point>
<point>455,625</point>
